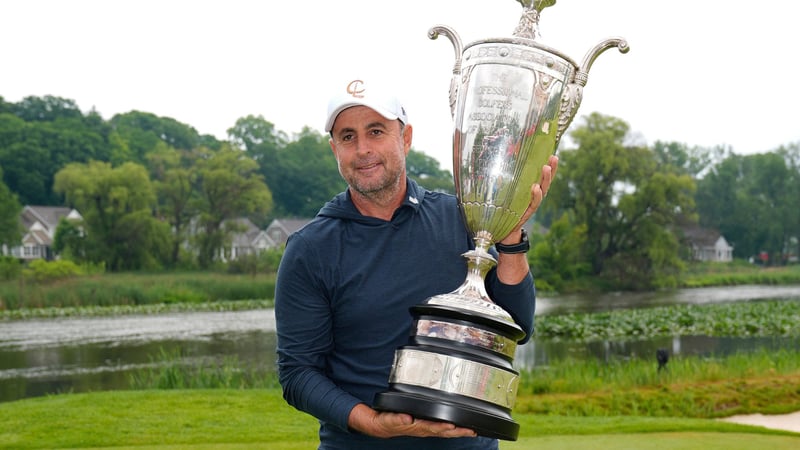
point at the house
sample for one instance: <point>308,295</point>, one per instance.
<point>280,229</point>
<point>40,223</point>
<point>248,239</point>
<point>707,245</point>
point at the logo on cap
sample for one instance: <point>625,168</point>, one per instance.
<point>356,89</point>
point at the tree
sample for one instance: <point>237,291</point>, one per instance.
<point>116,205</point>
<point>425,170</point>
<point>143,131</point>
<point>558,256</point>
<point>10,209</point>
<point>229,187</point>
<point>69,241</point>
<point>259,139</point>
<point>175,175</point>
<point>752,200</point>
<point>42,136</point>
<point>694,161</point>
<point>629,207</point>
<point>46,109</point>
<point>307,176</point>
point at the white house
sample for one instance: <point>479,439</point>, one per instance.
<point>40,223</point>
<point>708,245</point>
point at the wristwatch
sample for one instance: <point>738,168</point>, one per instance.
<point>522,247</point>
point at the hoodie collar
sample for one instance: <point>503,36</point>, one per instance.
<point>342,205</point>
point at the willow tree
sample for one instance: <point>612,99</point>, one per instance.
<point>228,187</point>
<point>116,204</point>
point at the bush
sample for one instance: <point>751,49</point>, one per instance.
<point>41,270</point>
<point>10,268</point>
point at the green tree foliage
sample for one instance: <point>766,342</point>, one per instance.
<point>69,240</point>
<point>629,206</point>
<point>261,141</point>
<point>144,131</point>
<point>557,257</point>
<point>308,176</point>
<point>175,180</point>
<point>116,204</point>
<point>5,107</point>
<point>46,109</point>
<point>39,137</point>
<point>426,172</point>
<point>10,208</point>
<point>229,187</point>
<point>682,159</point>
<point>752,200</point>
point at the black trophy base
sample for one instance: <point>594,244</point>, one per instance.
<point>498,424</point>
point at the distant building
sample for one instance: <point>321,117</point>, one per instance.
<point>248,240</point>
<point>707,244</point>
<point>40,223</point>
<point>280,229</point>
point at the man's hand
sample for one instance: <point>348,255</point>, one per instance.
<point>511,269</point>
<point>538,193</point>
<point>386,424</point>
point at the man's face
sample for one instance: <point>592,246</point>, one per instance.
<point>370,150</point>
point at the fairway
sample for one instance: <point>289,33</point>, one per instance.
<point>225,419</point>
<point>660,441</point>
<point>639,441</point>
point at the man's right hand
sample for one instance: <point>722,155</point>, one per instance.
<point>387,424</point>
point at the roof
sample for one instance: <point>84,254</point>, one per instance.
<point>289,225</point>
<point>47,215</point>
<point>703,237</point>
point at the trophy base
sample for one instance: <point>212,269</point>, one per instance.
<point>493,424</point>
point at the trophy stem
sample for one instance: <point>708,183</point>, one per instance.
<point>479,262</point>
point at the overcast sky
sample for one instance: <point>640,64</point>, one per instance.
<point>702,72</point>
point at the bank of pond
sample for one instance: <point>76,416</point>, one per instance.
<point>601,354</point>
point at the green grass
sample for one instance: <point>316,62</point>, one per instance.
<point>738,273</point>
<point>130,289</point>
<point>573,375</point>
<point>260,419</point>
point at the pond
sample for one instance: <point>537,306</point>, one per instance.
<point>38,357</point>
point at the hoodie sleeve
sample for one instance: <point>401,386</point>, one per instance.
<point>304,331</point>
<point>518,299</point>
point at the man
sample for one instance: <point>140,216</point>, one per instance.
<point>347,279</point>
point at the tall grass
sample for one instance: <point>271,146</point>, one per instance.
<point>135,289</point>
<point>588,375</point>
<point>738,273</point>
<point>765,382</point>
<point>172,370</point>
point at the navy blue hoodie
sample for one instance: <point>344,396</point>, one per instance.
<point>342,298</point>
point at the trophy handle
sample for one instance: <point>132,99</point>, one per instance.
<point>451,34</point>
<point>573,92</point>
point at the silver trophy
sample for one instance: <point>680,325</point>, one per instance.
<point>511,101</point>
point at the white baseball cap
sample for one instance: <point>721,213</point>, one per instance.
<point>359,93</point>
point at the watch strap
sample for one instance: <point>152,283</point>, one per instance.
<point>522,247</point>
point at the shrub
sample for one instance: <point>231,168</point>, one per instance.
<point>10,268</point>
<point>42,271</point>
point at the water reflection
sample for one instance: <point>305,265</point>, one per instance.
<point>38,357</point>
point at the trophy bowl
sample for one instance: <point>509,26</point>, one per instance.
<point>511,101</point>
